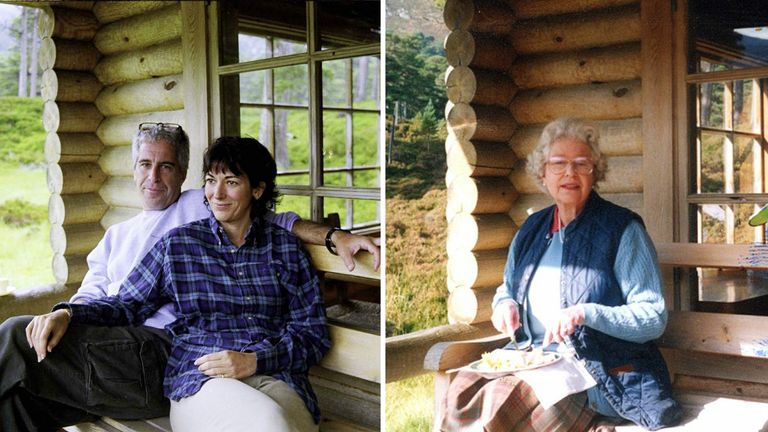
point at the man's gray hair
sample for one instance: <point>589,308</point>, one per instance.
<point>172,133</point>
<point>567,127</point>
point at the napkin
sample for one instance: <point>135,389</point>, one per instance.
<point>553,382</point>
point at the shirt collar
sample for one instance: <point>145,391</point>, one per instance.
<point>250,236</point>
<point>554,227</point>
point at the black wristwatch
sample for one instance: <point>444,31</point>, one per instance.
<point>328,243</point>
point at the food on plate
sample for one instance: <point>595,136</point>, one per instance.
<point>506,360</point>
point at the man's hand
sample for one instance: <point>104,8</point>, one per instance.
<point>347,245</point>
<point>227,364</point>
<point>566,324</point>
<point>45,332</point>
<point>506,318</point>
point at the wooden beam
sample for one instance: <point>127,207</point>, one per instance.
<point>195,79</point>
<point>406,355</point>
<point>325,261</point>
<point>157,60</point>
<point>658,120</point>
<point>742,256</point>
<point>354,353</point>
<point>731,334</point>
<point>155,94</point>
<point>608,101</point>
<point>140,31</point>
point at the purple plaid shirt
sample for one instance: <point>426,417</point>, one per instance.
<point>262,297</point>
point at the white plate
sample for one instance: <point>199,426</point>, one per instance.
<point>477,366</point>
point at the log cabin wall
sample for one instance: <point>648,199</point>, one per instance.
<point>514,66</point>
<point>108,66</point>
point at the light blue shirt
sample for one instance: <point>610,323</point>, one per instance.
<point>642,318</point>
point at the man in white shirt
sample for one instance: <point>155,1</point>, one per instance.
<point>48,381</point>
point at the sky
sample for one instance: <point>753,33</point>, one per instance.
<point>7,14</point>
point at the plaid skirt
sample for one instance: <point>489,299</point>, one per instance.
<point>476,403</point>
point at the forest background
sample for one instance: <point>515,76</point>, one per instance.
<point>24,196</point>
<point>415,193</point>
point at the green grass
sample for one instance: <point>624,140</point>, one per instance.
<point>25,258</point>
<point>27,263</point>
<point>416,268</point>
<point>409,404</point>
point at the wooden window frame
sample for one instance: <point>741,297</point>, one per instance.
<point>316,190</point>
<point>668,112</point>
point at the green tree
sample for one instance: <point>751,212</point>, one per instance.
<point>415,66</point>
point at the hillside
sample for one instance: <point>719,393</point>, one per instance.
<point>416,233</point>
<point>414,16</point>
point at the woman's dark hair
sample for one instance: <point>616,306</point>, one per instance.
<point>245,156</point>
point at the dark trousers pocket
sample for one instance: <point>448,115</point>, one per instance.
<point>125,376</point>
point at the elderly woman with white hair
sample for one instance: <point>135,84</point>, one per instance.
<point>581,275</point>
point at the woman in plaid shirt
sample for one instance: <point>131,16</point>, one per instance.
<point>251,318</point>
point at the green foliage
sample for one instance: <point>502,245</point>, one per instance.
<point>9,72</point>
<point>415,66</point>
<point>20,213</point>
<point>24,224</point>
<point>409,404</point>
<point>21,130</point>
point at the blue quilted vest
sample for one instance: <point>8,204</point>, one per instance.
<point>631,376</point>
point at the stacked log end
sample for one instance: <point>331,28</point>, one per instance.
<point>141,69</point>
<point>479,158</point>
<point>70,118</point>
<point>514,66</point>
<point>107,66</point>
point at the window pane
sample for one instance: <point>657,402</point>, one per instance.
<point>745,177</point>
<point>292,145</point>
<point>348,23</point>
<point>732,33</point>
<point>255,87</point>
<point>261,30</point>
<point>746,110</point>
<point>365,72</point>
<point>712,105</point>
<point>257,123</point>
<point>336,83</point>
<point>353,213</point>
<point>743,232</point>
<point>712,166</point>
<point>712,227</point>
<point>291,85</point>
<point>365,132</point>
<point>336,144</point>
<point>295,203</point>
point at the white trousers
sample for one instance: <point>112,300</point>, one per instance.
<point>257,403</point>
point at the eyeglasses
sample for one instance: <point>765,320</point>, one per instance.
<point>581,166</point>
<point>171,127</point>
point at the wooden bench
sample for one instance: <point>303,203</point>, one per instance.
<point>718,363</point>
<point>348,380</point>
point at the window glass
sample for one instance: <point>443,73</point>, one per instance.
<point>256,87</point>
<point>746,115</point>
<point>292,145</point>
<point>292,85</point>
<point>345,24</point>
<point>357,212</point>
<point>336,83</point>
<point>733,34</point>
<point>293,203</point>
<point>270,97</point>
<point>366,72</point>
<point>711,102</point>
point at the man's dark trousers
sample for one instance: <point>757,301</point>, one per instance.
<point>92,372</point>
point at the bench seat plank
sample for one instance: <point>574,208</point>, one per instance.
<point>354,353</point>
<point>712,413</point>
